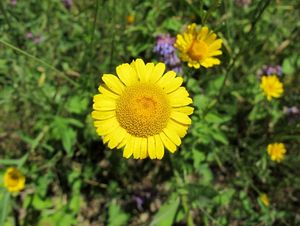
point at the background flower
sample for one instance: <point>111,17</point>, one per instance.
<point>165,49</point>
<point>264,199</point>
<point>276,151</point>
<point>271,86</point>
<point>14,180</point>
<point>199,46</point>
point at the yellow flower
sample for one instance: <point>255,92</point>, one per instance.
<point>142,110</point>
<point>264,199</point>
<point>198,47</point>
<point>14,180</point>
<point>276,151</point>
<point>130,19</point>
<point>271,86</point>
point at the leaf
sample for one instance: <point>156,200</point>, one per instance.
<point>68,140</point>
<point>220,136</point>
<point>116,216</point>
<point>18,162</point>
<point>166,214</point>
<point>4,205</point>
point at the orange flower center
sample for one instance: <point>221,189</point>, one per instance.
<point>143,110</point>
<point>198,50</point>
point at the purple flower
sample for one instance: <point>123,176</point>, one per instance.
<point>243,3</point>
<point>270,70</point>
<point>68,3</point>
<point>167,53</point>
<point>13,2</point>
<point>291,110</point>
<point>36,39</point>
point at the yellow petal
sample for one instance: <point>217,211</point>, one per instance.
<point>113,83</point>
<point>106,126</point>
<point>215,45</point>
<point>166,78</point>
<point>173,136</point>
<point>210,38</point>
<point>186,110</point>
<point>124,141</point>
<point>159,147</point>
<point>116,138</point>
<point>180,129</point>
<point>178,93</point>
<point>101,115</point>
<point>103,101</point>
<point>137,147</point>
<point>151,147</point>
<point>149,69</point>
<point>106,91</point>
<point>128,150</point>
<point>157,72</point>
<point>127,74</point>
<point>140,68</point>
<point>167,142</point>
<point>179,102</point>
<point>172,85</point>
<point>203,33</point>
<point>181,117</point>
<point>144,144</point>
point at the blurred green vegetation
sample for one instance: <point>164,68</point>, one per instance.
<point>51,62</point>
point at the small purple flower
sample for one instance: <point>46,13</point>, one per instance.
<point>291,110</point>
<point>270,70</point>
<point>13,2</point>
<point>243,3</point>
<point>68,3</point>
<point>36,39</point>
<point>167,53</point>
<point>29,35</point>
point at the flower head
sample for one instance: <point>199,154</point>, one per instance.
<point>130,19</point>
<point>271,86</point>
<point>276,151</point>
<point>165,49</point>
<point>198,47</point>
<point>142,110</point>
<point>264,199</point>
<point>14,180</point>
<point>270,70</point>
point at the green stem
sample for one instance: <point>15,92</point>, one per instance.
<point>231,65</point>
<point>2,9</point>
<point>59,73</point>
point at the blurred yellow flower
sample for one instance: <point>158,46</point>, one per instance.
<point>276,151</point>
<point>198,47</point>
<point>271,86</point>
<point>264,199</point>
<point>130,19</point>
<point>142,110</point>
<point>14,180</point>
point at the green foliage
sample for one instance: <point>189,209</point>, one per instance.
<point>51,61</point>
<point>116,217</point>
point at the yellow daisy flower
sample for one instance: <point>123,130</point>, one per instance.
<point>276,151</point>
<point>264,199</point>
<point>14,180</point>
<point>271,86</point>
<point>142,110</point>
<point>198,47</point>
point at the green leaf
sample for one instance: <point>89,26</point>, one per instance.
<point>288,67</point>
<point>166,214</point>
<point>68,140</point>
<point>17,162</point>
<point>116,216</point>
<point>4,206</point>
